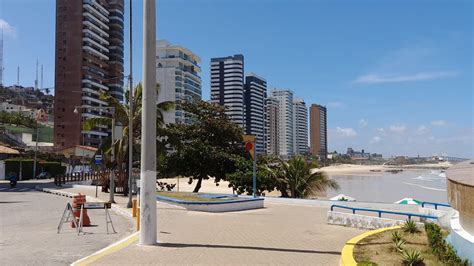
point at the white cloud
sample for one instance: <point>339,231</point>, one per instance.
<point>346,132</point>
<point>375,140</point>
<point>363,122</point>
<point>336,104</point>
<point>422,130</point>
<point>439,123</point>
<point>7,28</point>
<point>375,78</point>
<point>381,130</point>
<point>399,129</point>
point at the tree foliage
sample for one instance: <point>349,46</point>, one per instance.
<point>294,178</point>
<point>122,116</point>
<point>209,147</point>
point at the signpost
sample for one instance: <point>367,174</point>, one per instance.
<point>250,148</point>
<point>98,159</point>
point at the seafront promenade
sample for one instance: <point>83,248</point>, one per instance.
<point>283,233</point>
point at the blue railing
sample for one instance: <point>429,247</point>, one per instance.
<point>409,215</point>
<point>435,204</point>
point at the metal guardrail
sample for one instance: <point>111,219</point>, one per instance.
<point>435,204</point>
<point>409,215</point>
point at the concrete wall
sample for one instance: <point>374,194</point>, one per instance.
<point>230,206</point>
<point>2,170</point>
<point>362,221</point>
<point>461,240</point>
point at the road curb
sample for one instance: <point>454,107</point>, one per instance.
<point>107,250</point>
<point>347,254</point>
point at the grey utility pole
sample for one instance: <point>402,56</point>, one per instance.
<point>148,156</point>
<point>112,158</point>
<point>130,121</point>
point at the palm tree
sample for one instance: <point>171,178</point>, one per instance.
<point>121,115</point>
<point>297,180</point>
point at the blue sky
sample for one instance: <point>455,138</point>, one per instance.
<point>396,76</point>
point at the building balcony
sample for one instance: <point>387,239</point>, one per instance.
<point>89,81</point>
<point>95,11</point>
<point>93,19</point>
<point>95,44</point>
<point>90,49</point>
<point>95,28</point>
<point>99,38</point>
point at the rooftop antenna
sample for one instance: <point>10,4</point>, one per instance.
<point>36,80</point>
<point>41,84</point>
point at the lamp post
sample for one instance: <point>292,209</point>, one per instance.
<point>112,159</point>
<point>130,121</point>
<point>148,141</point>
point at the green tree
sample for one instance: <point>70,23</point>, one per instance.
<point>209,147</point>
<point>121,115</point>
<point>296,179</point>
<point>241,180</point>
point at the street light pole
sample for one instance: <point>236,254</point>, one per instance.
<point>130,121</point>
<point>112,158</point>
<point>148,141</point>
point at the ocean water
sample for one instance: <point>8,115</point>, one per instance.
<point>423,185</point>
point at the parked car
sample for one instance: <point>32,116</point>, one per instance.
<point>43,175</point>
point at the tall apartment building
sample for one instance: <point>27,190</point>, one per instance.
<point>300,127</point>
<point>177,72</point>
<point>227,85</point>
<point>88,59</point>
<point>272,127</point>
<point>255,93</point>
<point>284,99</point>
<point>318,131</point>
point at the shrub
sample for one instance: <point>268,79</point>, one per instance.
<point>442,249</point>
<point>410,227</point>
<point>399,245</point>
<point>396,236</point>
<point>412,258</point>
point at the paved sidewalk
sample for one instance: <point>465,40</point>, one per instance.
<point>28,230</point>
<point>284,234</point>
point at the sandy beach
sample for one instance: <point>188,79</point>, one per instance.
<point>336,171</point>
<point>354,169</point>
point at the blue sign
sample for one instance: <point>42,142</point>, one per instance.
<point>98,159</point>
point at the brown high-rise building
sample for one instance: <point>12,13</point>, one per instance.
<point>318,131</point>
<point>88,60</point>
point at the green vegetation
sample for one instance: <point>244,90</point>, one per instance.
<point>397,236</point>
<point>122,116</point>
<point>444,251</point>
<point>410,227</point>
<point>16,118</point>
<point>381,249</point>
<point>293,179</point>
<point>45,133</point>
<point>210,147</point>
<point>412,258</point>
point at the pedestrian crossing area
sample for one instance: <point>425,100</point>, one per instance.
<point>16,189</point>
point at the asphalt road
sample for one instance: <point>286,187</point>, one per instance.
<point>28,229</point>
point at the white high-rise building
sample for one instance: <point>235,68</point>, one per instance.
<point>227,86</point>
<point>177,72</point>
<point>300,127</point>
<point>255,92</point>
<point>284,99</point>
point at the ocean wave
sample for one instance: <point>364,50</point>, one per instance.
<point>429,188</point>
